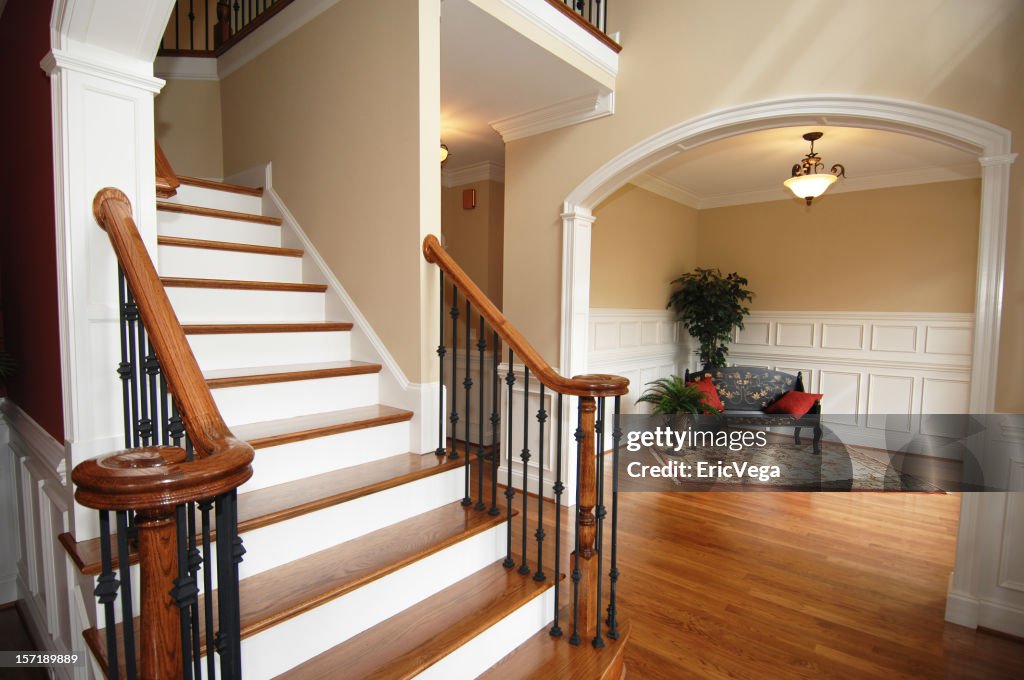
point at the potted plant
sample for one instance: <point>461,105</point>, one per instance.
<point>673,395</point>
<point>710,306</point>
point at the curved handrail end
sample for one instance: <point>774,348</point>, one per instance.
<point>104,195</point>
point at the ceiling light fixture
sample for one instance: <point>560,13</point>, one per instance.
<point>444,155</point>
<point>809,178</point>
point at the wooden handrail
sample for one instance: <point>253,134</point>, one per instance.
<point>596,385</point>
<point>166,180</point>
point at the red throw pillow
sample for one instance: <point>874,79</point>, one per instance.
<point>711,398</point>
<point>794,403</point>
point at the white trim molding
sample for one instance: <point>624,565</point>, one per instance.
<point>485,171</point>
<point>562,114</point>
<point>186,68</point>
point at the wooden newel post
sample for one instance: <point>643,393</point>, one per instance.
<point>222,29</point>
<point>159,630</point>
<point>588,548</point>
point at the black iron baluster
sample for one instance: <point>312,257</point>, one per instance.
<point>177,43</point>
<point>206,23</point>
<point>542,417</point>
<point>613,575</point>
<point>106,593</point>
<point>454,416</point>
<point>467,383</point>
<point>237,25</point>
<point>184,592</point>
<point>205,507</point>
<point>229,555</point>
<point>131,315</point>
<point>481,345</point>
<point>556,630</point>
<point>495,421</point>
<point>195,560</point>
<point>574,639</point>
<point>152,382</point>
<point>191,26</point>
<point>524,568</point>
<point>127,616</point>
<point>600,513</point>
<point>125,369</point>
<point>441,351</point>
<point>510,380</point>
<point>164,428</point>
<point>145,423</point>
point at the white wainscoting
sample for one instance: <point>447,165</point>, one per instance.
<point>47,582</point>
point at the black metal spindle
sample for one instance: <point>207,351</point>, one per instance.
<point>131,315</point>
<point>441,351</point>
<point>127,614</point>
<point>195,560</point>
<point>574,639</point>
<point>481,345</point>
<point>510,379</point>
<point>467,384</point>
<point>145,423</point>
<point>558,488</point>
<point>229,555</point>
<point>542,417</point>
<point>191,26</point>
<point>184,591</point>
<point>495,422</point>
<point>106,593</point>
<point>598,640</point>
<point>124,368</point>
<point>524,568</point>
<point>206,23</point>
<point>237,25</point>
<point>177,43</point>
<point>454,416</point>
<point>613,575</point>
<point>205,507</point>
<point>153,384</point>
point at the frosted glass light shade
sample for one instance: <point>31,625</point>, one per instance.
<point>810,186</point>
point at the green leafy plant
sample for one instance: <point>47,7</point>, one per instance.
<point>672,395</point>
<point>710,306</point>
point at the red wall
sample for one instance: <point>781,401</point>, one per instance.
<point>28,267</point>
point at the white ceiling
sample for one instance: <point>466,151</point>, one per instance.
<point>750,168</point>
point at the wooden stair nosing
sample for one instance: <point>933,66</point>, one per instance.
<point>387,417</point>
<point>256,512</point>
<point>201,211</point>
<point>278,594</point>
<point>231,284</point>
<point>354,368</point>
<point>220,186</point>
<point>182,242</point>
<point>245,328</point>
<point>415,639</point>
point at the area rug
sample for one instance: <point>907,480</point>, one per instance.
<point>838,468</point>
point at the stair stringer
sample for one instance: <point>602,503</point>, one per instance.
<point>395,387</point>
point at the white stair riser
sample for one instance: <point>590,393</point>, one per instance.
<point>251,350</point>
<point>223,305</point>
<point>217,229</point>
<point>214,198</point>
<point>292,642</point>
<point>205,263</point>
<point>282,542</point>
<point>254,403</point>
<point>296,460</point>
<point>491,646</point>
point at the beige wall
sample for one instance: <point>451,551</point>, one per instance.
<point>347,109</point>
<point>640,243</point>
<point>475,238</point>
<point>188,127</point>
<point>905,249</point>
<point>685,58</point>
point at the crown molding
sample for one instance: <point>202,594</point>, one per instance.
<point>485,171</point>
<point>186,68</point>
<point>124,73</point>
<point>673,192</point>
<point>555,116</point>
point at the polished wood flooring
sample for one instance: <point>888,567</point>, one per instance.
<point>790,585</point>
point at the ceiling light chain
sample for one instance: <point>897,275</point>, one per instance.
<point>809,179</point>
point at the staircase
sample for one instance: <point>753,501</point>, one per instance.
<point>361,560</point>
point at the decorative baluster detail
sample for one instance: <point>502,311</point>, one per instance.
<point>454,416</point>
<point>524,568</point>
<point>152,382</point>
<point>206,24</point>
<point>145,422</point>
<point>206,507</point>
<point>229,555</point>
<point>510,380</point>
<point>558,488</point>
<point>542,417</point>
<point>124,368</point>
<point>195,561</point>
<point>481,345</point>
<point>441,351</point>
<point>577,574</point>
<point>613,575</point>
<point>177,41</point>
<point>131,319</point>
<point>467,384</point>
<point>124,568</point>
<point>495,422</point>
<point>106,593</point>
<point>191,26</point>
<point>598,640</point>
<point>184,592</point>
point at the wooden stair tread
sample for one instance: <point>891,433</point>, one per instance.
<point>181,242</point>
<point>276,595</point>
<point>415,639</point>
<point>166,206</point>
<point>220,186</point>
<point>543,657</point>
<point>231,328</point>
<point>178,282</point>
<point>240,377</point>
<point>285,430</point>
<point>266,506</point>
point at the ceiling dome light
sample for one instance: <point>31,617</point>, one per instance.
<point>444,155</point>
<point>809,180</point>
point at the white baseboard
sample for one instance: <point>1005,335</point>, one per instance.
<point>972,612</point>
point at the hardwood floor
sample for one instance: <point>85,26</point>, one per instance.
<point>791,585</point>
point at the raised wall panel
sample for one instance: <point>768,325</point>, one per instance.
<point>606,336</point>
<point>629,334</point>
<point>841,400</point>
<point>890,402</point>
<point>1011,566</point>
<point>893,338</point>
<point>794,334</point>
<point>947,397</point>
<point>754,333</point>
<point>947,340</point>
<point>649,333</point>
<point>842,336</point>
<point>807,374</point>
